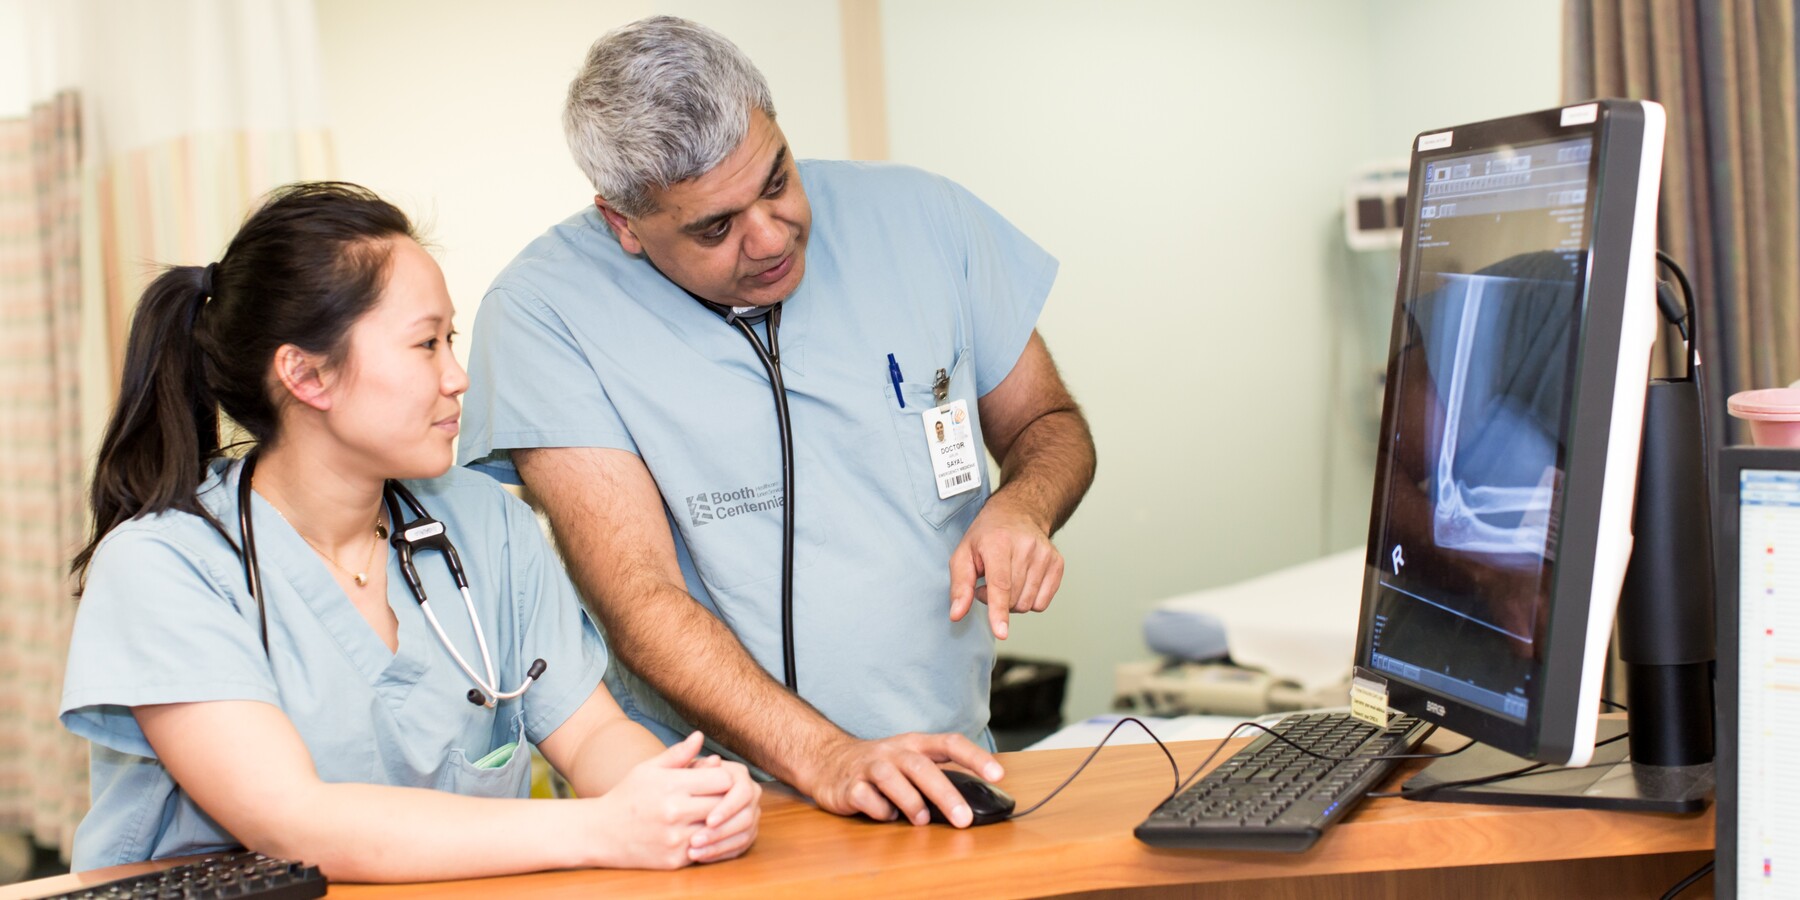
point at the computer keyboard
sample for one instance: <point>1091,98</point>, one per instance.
<point>233,875</point>
<point>1270,796</point>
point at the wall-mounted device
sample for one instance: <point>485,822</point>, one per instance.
<point>1375,206</point>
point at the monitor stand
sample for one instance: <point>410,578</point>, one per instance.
<point>1610,781</point>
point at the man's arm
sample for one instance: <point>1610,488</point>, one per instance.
<point>608,517</point>
<point>1046,454</point>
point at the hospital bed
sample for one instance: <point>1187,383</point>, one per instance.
<point>1279,641</point>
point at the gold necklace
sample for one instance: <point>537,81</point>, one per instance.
<point>362,578</point>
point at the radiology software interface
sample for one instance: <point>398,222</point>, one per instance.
<point>1768,738</point>
<point>1467,529</point>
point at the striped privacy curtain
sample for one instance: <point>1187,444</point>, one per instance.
<point>199,108</point>
<point>1730,210</point>
<point>43,783</point>
<point>166,121</point>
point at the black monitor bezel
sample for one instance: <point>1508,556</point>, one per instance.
<point>1618,130</point>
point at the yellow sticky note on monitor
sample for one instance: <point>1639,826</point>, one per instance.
<point>1369,698</point>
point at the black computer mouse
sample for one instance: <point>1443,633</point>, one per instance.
<point>988,802</point>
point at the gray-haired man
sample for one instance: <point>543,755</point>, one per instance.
<point>645,424</point>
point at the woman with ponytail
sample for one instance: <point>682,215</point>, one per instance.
<point>328,723</point>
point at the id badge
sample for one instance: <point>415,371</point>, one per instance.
<point>950,441</point>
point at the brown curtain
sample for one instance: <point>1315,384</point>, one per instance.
<point>43,769</point>
<point>1730,213</point>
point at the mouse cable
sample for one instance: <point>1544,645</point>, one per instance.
<point>1687,882</point>
<point>1521,772</point>
<point>1090,758</point>
<point>1181,782</point>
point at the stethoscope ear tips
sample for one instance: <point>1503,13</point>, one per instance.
<point>476,697</point>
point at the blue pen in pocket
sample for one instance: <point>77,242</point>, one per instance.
<point>894,376</point>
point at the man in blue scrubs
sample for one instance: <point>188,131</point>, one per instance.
<point>645,424</point>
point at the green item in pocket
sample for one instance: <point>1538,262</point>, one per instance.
<point>500,757</point>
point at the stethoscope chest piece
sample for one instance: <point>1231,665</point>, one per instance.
<point>422,532</point>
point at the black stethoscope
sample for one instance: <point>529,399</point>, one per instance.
<point>408,537</point>
<point>770,357</point>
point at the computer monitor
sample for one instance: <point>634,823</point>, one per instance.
<point>1759,672</point>
<point>1507,468</point>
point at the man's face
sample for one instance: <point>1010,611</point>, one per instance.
<point>736,235</point>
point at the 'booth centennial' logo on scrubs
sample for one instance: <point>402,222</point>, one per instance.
<point>707,507</point>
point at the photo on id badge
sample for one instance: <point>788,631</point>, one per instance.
<point>950,442</point>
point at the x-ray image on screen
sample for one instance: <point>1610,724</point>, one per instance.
<point>1471,512</point>
<point>1484,391</point>
<point>1492,348</point>
<point>1475,459</point>
<point>1488,374</point>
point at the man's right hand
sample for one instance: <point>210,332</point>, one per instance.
<point>876,778</point>
<point>614,531</point>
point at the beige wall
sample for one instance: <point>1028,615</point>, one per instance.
<point>1184,160</point>
<point>451,108</point>
<point>1510,65</point>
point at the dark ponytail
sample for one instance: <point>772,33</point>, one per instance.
<point>305,265</point>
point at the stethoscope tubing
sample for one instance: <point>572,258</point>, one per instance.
<point>770,358</point>
<point>487,692</point>
<point>489,689</point>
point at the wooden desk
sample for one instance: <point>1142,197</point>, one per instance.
<point>1081,843</point>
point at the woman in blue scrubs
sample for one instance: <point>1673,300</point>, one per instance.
<point>330,723</point>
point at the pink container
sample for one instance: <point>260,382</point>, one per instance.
<point>1773,414</point>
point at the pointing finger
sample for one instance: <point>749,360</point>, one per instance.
<point>962,581</point>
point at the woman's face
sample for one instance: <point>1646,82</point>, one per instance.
<point>396,403</point>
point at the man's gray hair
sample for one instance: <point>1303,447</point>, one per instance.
<point>658,102</point>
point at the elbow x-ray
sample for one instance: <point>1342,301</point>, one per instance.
<point>1475,455</point>
<point>1493,349</point>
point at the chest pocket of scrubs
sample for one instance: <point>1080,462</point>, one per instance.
<point>909,433</point>
<point>511,779</point>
